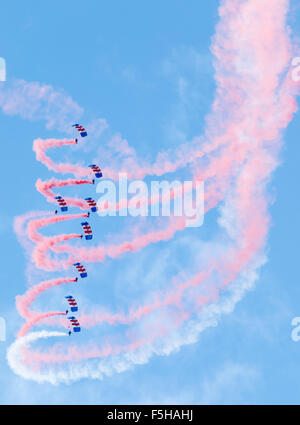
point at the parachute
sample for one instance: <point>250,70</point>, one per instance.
<point>81,270</point>
<point>87,230</point>
<point>74,322</point>
<point>81,130</point>
<point>97,170</point>
<point>91,204</point>
<point>62,203</point>
<point>72,303</point>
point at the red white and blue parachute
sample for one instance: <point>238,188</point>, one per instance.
<point>92,204</point>
<point>81,130</point>
<point>72,303</point>
<point>81,270</point>
<point>74,323</point>
<point>97,171</point>
<point>62,203</point>
<point>88,233</point>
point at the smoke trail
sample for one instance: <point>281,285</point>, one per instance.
<point>41,146</point>
<point>15,351</point>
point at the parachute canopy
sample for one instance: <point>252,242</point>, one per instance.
<point>81,130</point>
<point>81,270</point>
<point>72,303</point>
<point>74,323</point>
<point>62,203</point>
<point>92,204</point>
<point>97,170</point>
<point>87,230</point>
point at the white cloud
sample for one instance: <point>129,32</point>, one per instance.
<point>35,101</point>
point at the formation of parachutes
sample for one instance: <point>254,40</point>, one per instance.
<point>73,323</point>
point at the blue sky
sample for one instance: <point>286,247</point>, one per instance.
<point>124,61</point>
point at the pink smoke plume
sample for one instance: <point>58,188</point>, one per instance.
<point>254,102</point>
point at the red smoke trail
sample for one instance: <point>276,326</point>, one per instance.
<point>23,302</point>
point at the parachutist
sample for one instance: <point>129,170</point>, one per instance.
<point>97,171</point>
<point>55,212</point>
<point>75,324</point>
<point>76,141</point>
<point>72,303</point>
<point>92,204</point>
<point>62,203</point>
<point>81,130</point>
<point>87,230</point>
<point>81,270</point>
<point>70,333</point>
